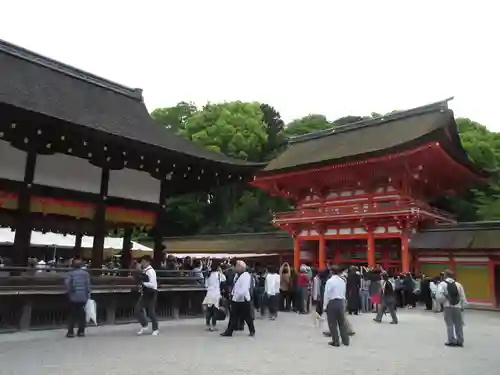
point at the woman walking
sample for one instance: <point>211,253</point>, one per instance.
<point>213,296</point>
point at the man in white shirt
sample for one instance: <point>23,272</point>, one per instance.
<point>334,305</point>
<point>272,291</point>
<point>149,294</point>
<point>240,301</point>
<point>451,294</point>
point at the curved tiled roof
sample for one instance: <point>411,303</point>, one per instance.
<point>42,85</point>
<point>369,138</point>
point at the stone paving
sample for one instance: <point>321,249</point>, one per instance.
<point>290,345</point>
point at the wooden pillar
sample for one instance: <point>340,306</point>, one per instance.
<point>126,256</point>
<point>322,251</point>
<point>370,256</point>
<point>405,253</point>
<point>296,252</point>
<point>22,239</point>
<point>159,226</point>
<point>78,245</point>
<point>100,221</point>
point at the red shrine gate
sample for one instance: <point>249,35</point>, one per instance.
<point>361,190</point>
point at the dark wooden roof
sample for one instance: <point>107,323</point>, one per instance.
<point>392,133</point>
<point>272,242</point>
<point>38,84</point>
<point>462,236</point>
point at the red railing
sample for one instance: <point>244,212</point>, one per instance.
<point>356,210</point>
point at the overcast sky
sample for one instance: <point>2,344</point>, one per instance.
<point>330,57</point>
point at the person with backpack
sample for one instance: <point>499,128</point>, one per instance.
<point>452,295</point>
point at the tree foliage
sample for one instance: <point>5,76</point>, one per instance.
<point>255,132</point>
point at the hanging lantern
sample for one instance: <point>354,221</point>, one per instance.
<point>63,138</point>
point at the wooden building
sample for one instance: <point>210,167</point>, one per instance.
<point>80,154</point>
<point>363,189</point>
<point>471,250</point>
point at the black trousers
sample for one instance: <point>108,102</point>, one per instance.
<point>272,304</point>
<point>211,316</point>
<point>147,305</point>
<point>240,311</point>
<point>76,317</point>
<point>286,300</point>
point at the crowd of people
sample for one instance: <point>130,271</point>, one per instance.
<point>236,290</point>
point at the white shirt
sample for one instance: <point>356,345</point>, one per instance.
<point>272,284</point>
<point>241,288</point>
<point>212,283</point>
<point>334,289</point>
<point>433,287</point>
<point>153,282</point>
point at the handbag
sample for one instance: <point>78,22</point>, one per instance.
<point>221,312</point>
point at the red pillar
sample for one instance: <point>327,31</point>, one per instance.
<point>321,252</point>
<point>405,254</point>
<point>371,250</point>
<point>296,253</point>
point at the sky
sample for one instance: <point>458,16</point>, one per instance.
<point>335,58</point>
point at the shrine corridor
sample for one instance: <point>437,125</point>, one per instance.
<point>288,346</point>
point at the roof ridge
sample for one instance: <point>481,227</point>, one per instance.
<point>440,105</point>
<point>226,235</point>
<point>69,70</point>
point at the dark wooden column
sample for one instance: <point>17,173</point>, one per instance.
<point>159,226</point>
<point>22,240</point>
<point>78,245</point>
<point>126,257</point>
<point>100,221</point>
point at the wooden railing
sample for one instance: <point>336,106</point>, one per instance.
<point>364,209</point>
<point>31,299</point>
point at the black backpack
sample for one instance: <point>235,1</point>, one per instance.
<point>453,295</point>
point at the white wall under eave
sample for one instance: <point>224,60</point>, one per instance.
<point>12,162</point>
<point>67,172</point>
<point>134,185</point>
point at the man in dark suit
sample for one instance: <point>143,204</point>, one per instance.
<point>388,300</point>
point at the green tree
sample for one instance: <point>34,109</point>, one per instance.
<point>174,118</point>
<point>274,129</point>
<point>307,124</point>
<point>234,128</point>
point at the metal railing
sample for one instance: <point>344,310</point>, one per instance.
<point>355,210</point>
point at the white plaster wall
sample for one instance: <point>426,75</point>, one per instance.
<point>135,185</point>
<point>67,172</point>
<point>12,162</point>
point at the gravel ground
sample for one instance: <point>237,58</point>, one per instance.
<point>290,345</point>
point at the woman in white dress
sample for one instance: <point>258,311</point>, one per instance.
<point>212,299</point>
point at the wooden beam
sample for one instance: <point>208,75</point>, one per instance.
<point>99,221</point>
<point>22,239</point>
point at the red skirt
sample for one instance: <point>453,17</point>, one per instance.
<point>376,299</point>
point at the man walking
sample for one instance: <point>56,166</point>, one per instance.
<point>334,305</point>
<point>388,300</point>
<point>147,300</point>
<point>452,295</point>
<point>78,289</point>
<point>240,301</point>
